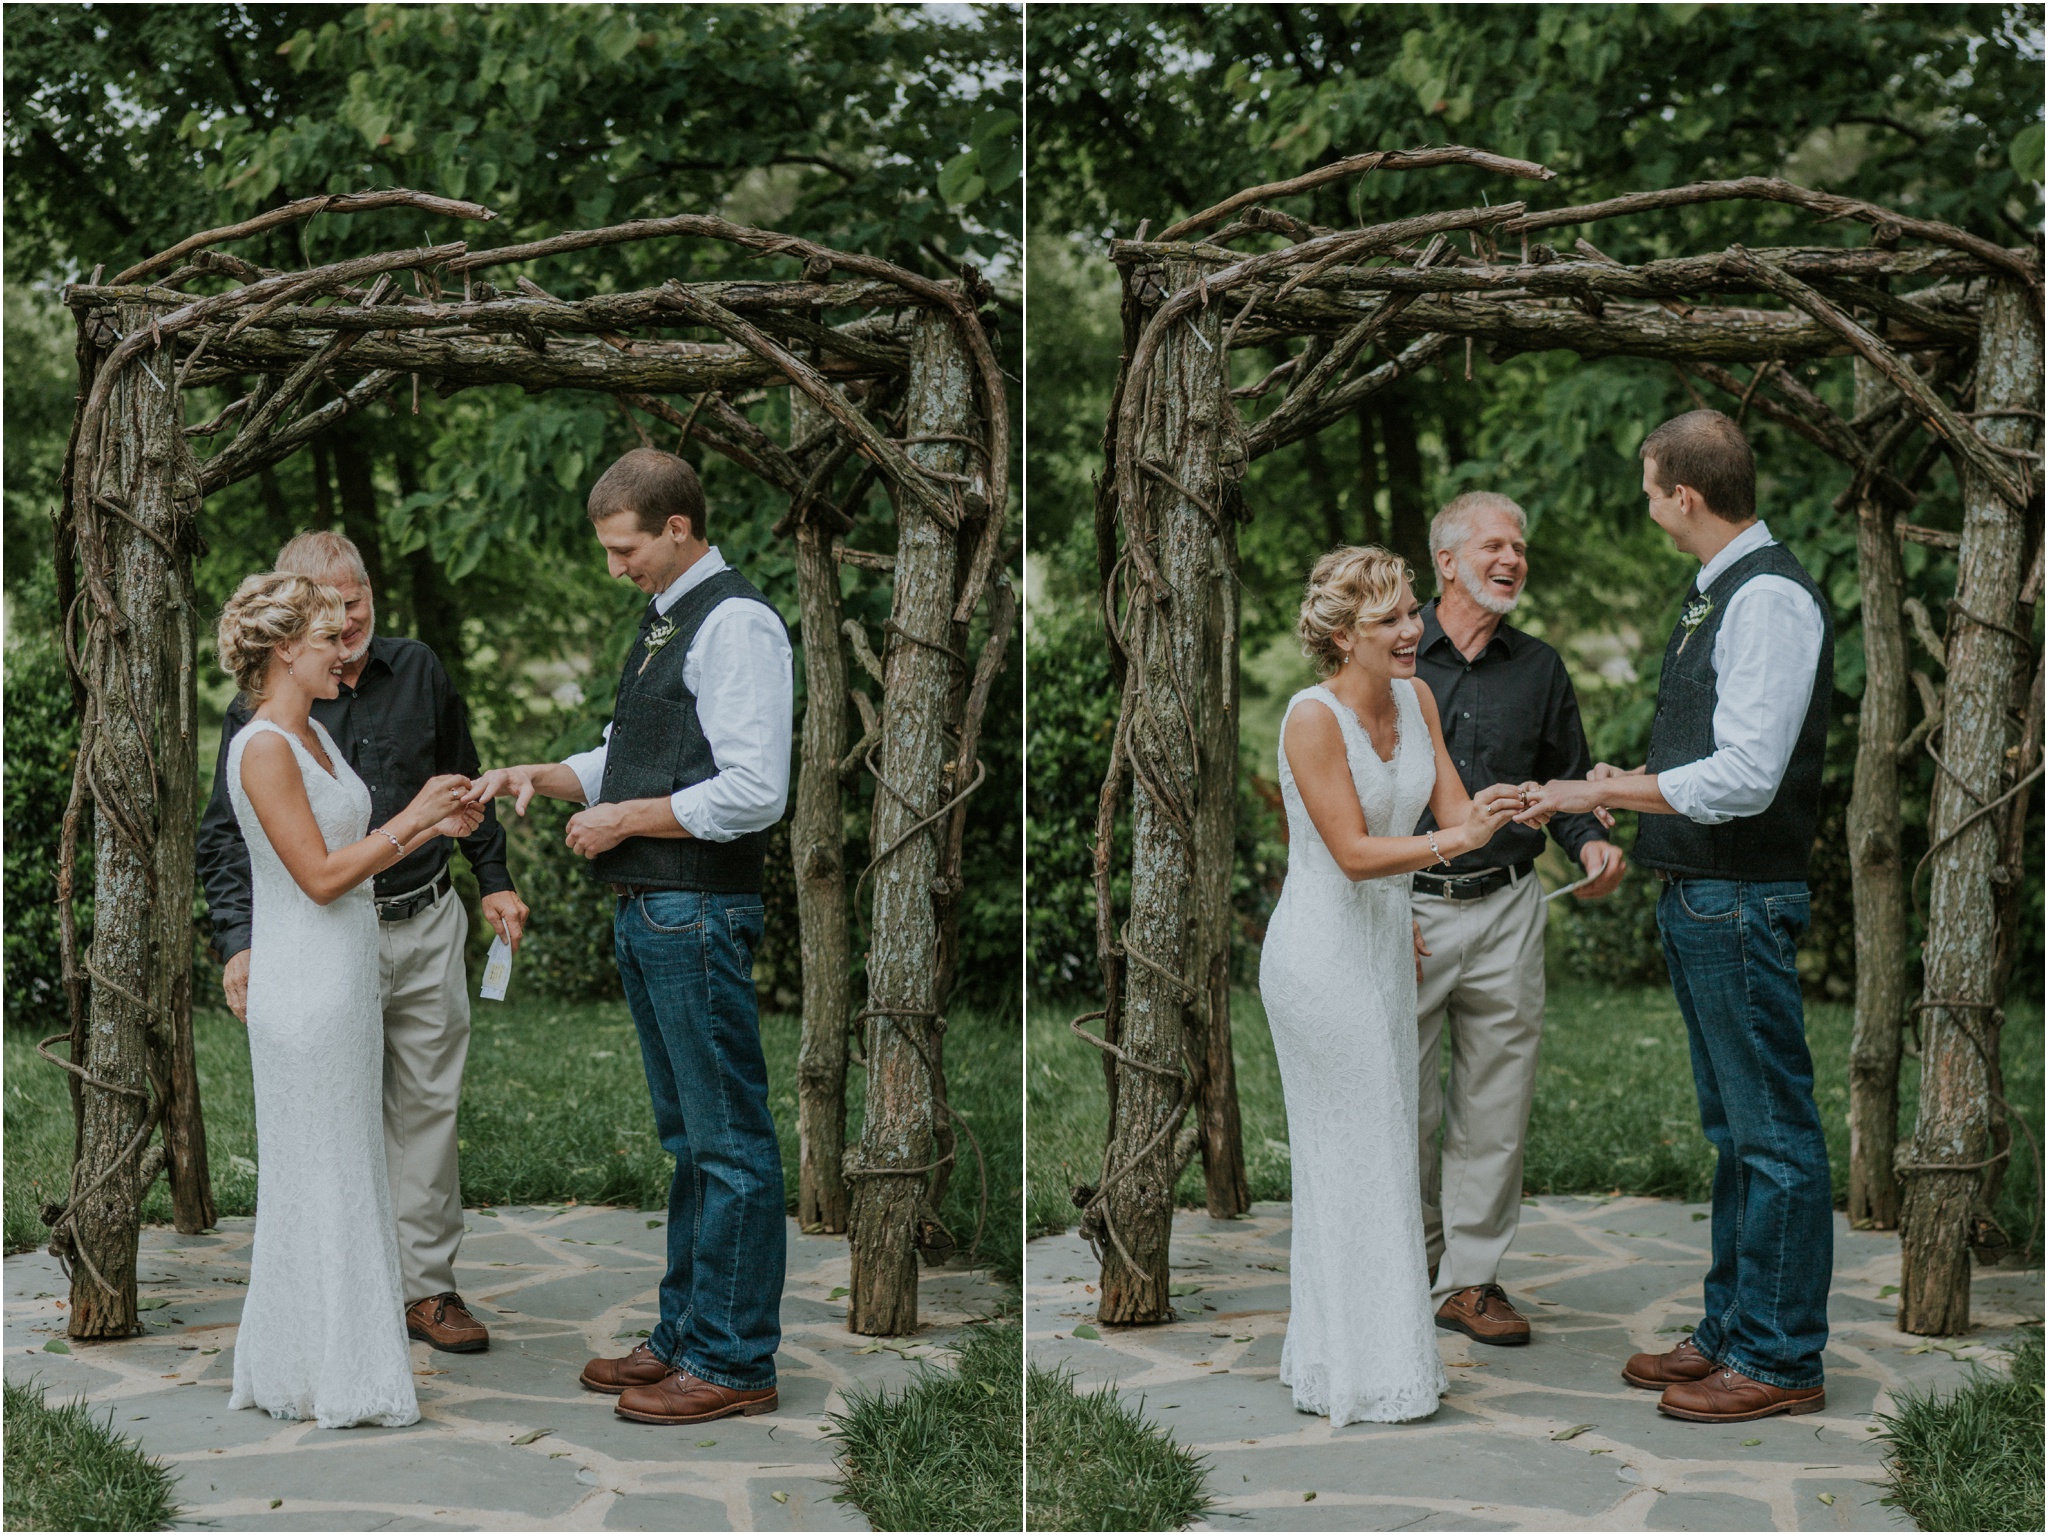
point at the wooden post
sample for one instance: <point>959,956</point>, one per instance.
<point>896,1145</point>
<point>140,768</point>
<point>1168,687</point>
<point>1941,1167</point>
<point>1878,877</point>
<point>1226,1187</point>
<point>817,845</point>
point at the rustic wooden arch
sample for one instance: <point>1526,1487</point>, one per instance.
<point>1952,358</point>
<point>860,342</point>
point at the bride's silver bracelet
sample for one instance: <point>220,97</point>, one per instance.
<point>1435,849</point>
<point>401,846</point>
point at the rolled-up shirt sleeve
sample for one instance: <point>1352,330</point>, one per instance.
<point>1766,654</point>
<point>589,767</point>
<point>739,670</point>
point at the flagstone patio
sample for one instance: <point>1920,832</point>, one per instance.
<point>1545,1437</point>
<point>507,1439</point>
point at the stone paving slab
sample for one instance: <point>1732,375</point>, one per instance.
<point>1600,1279</point>
<point>555,1284</point>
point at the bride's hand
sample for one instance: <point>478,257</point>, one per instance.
<point>1492,808</point>
<point>439,800</point>
<point>465,819</point>
<point>1422,950</point>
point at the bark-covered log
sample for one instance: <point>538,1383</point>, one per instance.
<point>1942,1164</point>
<point>896,1145</point>
<point>1876,865</point>
<point>817,845</point>
<point>140,770</point>
<point>1178,402</point>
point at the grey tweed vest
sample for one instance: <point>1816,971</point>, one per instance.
<point>1777,843</point>
<point>657,746</point>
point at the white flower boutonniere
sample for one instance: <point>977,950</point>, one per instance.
<point>657,637</point>
<point>1694,615</point>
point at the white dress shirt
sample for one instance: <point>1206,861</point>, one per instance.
<point>738,669</point>
<point>1765,655</point>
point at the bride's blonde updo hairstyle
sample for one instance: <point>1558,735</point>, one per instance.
<point>270,609</point>
<point>1353,584</point>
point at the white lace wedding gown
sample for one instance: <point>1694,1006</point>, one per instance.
<point>323,1328</point>
<point>1338,980</point>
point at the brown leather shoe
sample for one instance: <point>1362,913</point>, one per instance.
<point>443,1322</point>
<point>1653,1372</point>
<point>611,1376</point>
<point>1729,1396</point>
<point>1483,1313</point>
<point>682,1398</point>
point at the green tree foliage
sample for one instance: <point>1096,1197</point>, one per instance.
<point>1155,112</point>
<point>888,129</point>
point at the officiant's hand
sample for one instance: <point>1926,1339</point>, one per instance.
<point>234,981</point>
<point>507,915</point>
<point>1604,866</point>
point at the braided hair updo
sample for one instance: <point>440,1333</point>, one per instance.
<point>270,609</point>
<point>1353,584</point>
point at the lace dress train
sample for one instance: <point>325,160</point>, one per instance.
<point>1338,980</point>
<point>323,1327</point>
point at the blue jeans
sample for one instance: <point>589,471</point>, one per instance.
<point>687,960</point>
<point>1732,948</point>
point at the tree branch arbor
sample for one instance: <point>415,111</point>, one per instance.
<point>861,345</point>
<point>1945,339</point>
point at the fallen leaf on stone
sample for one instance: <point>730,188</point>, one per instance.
<point>1245,1339</point>
<point>561,1454</point>
<point>783,1497</point>
<point>651,1225</point>
<point>1887,1292</point>
<point>1085,1330</point>
<point>705,1444</point>
<point>1308,1497</point>
<point>530,1435</point>
<point>1600,1452</point>
<point>872,1348</point>
<point>151,1305</point>
<point>1203,1364</point>
<point>274,1502</point>
<point>1183,1289</point>
<point>206,1351</point>
<point>430,1372</point>
<point>56,1346</point>
<point>1571,1433</point>
<point>839,1291</point>
<point>1747,1443</point>
<point>1466,1364</point>
<point>1827,1498</point>
<point>1701,1215</point>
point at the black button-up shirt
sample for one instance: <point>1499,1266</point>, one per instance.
<point>1509,715</point>
<point>400,725</point>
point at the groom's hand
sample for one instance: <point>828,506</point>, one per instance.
<point>499,782</point>
<point>1561,796</point>
<point>234,981</point>
<point>507,915</point>
<point>597,829</point>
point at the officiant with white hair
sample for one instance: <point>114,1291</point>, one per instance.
<point>1509,715</point>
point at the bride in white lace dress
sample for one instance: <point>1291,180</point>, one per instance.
<point>323,1328</point>
<point>1360,757</point>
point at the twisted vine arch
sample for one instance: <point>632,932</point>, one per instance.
<point>862,345</point>
<point>1954,359</point>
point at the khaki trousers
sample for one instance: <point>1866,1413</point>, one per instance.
<point>426,1042</point>
<point>1483,986</point>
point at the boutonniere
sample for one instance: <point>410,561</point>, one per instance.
<point>657,637</point>
<point>1695,614</point>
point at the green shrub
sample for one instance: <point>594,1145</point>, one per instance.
<point>1097,1464</point>
<point>41,733</point>
<point>946,1452</point>
<point>1971,1459</point>
<point>67,1470</point>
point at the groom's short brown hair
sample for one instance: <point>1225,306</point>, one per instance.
<point>654,486</point>
<point>1707,451</point>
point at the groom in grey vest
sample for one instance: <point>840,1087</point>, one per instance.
<point>693,771</point>
<point>1730,798</point>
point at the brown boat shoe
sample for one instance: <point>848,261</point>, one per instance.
<point>680,1397</point>
<point>1483,1313</point>
<point>443,1322</point>
<point>1653,1372</point>
<point>1729,1396</point>
<point>642,1367</point>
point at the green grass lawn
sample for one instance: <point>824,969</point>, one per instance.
<point>947,1451</point>
<point>1971,1459</point>
<point>1614,1103</point>
<point>68,1470</point>
<point>1097,1463</point>
<point>554,1107</point>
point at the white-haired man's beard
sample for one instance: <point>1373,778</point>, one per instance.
<point>350,657</point>
<point>1480,592</point>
